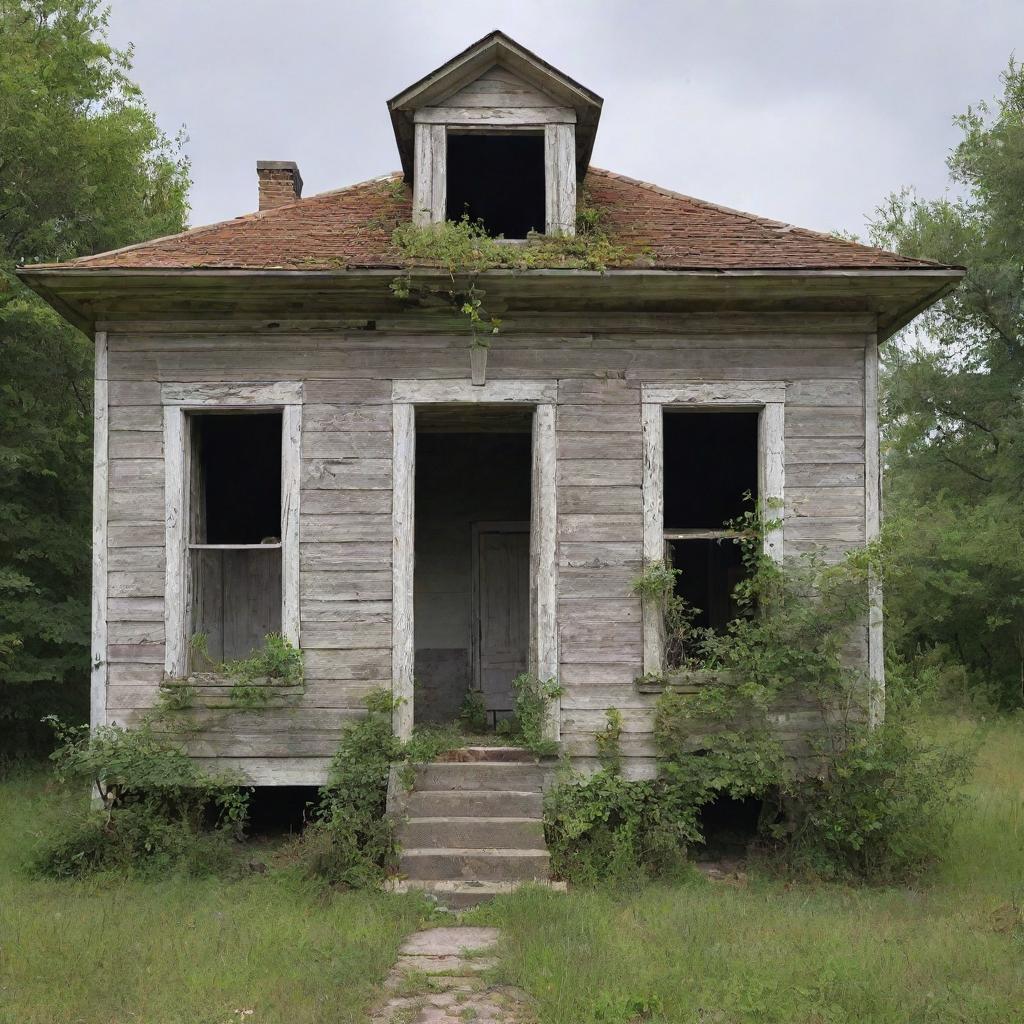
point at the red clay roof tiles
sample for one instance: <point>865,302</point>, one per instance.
<point>351,229</point>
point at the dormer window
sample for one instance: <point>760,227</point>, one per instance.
<point>499,135</point>
<point>498,180</point>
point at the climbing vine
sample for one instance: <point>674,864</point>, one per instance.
<point>464,250</point>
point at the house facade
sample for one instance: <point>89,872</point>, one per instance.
<point>286,442</point>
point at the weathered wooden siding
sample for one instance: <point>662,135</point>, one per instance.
<point>598,363</point>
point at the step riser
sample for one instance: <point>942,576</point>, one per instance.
<point>482,775</point>
<point>471,804</point>
<point>476,866</point>
<point>472,834</point>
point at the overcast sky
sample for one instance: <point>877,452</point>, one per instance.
<point>809,111</point>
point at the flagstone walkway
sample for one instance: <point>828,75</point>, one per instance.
<point>436,980</point>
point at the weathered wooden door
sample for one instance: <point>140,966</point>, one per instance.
<point>502,620</point>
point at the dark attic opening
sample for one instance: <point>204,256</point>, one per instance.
<point>472,558</point>
<point>234,520</point>
<point>497,179</point>
<point>711,479</point>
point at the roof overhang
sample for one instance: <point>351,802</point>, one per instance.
<point>495,49</point>
<point>106,296</point>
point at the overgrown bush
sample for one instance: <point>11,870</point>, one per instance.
<point>159,809</point>
<point>532,699</point>
<point>351,841</point>
<point>865,800</point>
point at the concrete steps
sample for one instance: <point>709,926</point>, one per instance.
<point>471,828</point>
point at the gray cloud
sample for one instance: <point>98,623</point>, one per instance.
<point>809,111</point>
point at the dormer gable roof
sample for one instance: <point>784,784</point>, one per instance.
<point>495,50</point>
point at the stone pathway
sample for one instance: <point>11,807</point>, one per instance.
<point>436,980</point>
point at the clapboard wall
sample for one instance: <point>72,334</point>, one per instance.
<point>599,362</point>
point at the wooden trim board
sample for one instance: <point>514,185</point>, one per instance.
<point>100,487</point>
<point>872,528</point>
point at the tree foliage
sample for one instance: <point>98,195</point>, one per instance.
<point>83,168</point>
<point>953,417</point>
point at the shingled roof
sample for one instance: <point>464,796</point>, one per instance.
<point>350,229</point>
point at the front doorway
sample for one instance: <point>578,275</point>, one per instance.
<point>472,558</point>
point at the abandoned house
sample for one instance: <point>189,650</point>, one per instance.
<point>285,441</point>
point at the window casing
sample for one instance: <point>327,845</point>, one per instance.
<point>218,570</point>
<point>664,541</point>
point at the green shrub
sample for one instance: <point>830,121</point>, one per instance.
<point>473,713</point>
<point>603,828</point>
<point>160,810</point>
<point>134,840</point>
<point>351,842</point>
<point>532,700</point>
<point>882,809</point>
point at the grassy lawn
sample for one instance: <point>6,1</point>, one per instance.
<point>194,952</point>
<point>951,950</point>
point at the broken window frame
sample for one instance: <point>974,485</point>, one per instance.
<point>178,401</point>
<point>767,398</point>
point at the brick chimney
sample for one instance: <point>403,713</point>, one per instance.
<point>280,182</point>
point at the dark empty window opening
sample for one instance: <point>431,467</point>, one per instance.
<point>237,478</point>
<point>499,180</point>
<point>711,477</point>
<point>235,532</point>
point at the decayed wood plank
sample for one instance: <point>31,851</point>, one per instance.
<point>272,771</point>
<point>346,528</point>
<point>135,584</point>
<point>346,474</point>
<point>357,392</point>
<point>350,664</point>
<point>135,609</point>
<point>136,444</point>
<point>600,554</point>
<point>345,635</point>
<point>138,504</point>
<point>290,520</point>
<point>429,184</point>
<point>362,418</point>
<point>594,500</point>
<point>824,392</point>
<point>234,393</point>
<point>653,550</point>
<point>343,502</point>
<point>831,421</point>
<point>354,612</point>
<point>136,559</point>
<point>127,632</point>
<point>100,484</point>
<point>176,591</point>
<point>330,557</point>
<point>132,473</point>
<point>135,417</point>
<point>827,449</point>
<point>823,501</point>
<point>145,653</point>
<point>339,444</point>
<point>504,116</point>
<point>771,429</point>
<point>610,391</point>
<point>826,474</point>
<point>579,527</point>
<point>599,418</point>
<point>403,565</point>
<point>872,526</point>
<point>582,444</point>
<point>543,557</point>
<point>560,176</point>
<point>494,391</point>
<point>348,585</point>
<point>134,392</point>
<point>710,392</point>
<point>599,472</point>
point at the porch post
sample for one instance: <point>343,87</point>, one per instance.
<point>403,653</point>
<point>543,560</point>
